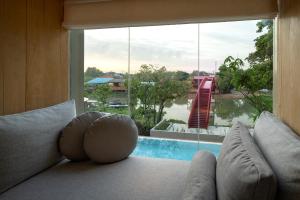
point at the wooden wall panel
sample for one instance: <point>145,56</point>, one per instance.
<point>64,69</point>
<point>288,66</point>
<point>1,88</point>
<point>47,77</point>
<point>1,55</point>
<point>33,55</point>
<point>14,61</point>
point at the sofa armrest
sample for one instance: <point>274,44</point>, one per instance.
<point>201,178</point>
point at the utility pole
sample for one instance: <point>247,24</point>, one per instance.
<point>216,63</point>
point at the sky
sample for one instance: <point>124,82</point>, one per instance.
<point>172,46</point>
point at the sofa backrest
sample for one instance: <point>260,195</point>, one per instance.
<point>281,148</point>
<point>29,142</point>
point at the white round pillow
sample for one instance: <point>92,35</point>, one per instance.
<point>71,139</point>
<point>110,139</point>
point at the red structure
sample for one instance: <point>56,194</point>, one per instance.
<point>199,115</point>
<point>197,80</point>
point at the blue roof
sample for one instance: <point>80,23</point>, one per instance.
<point>99,81</point>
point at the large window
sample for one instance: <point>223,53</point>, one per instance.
<point>181,80</point>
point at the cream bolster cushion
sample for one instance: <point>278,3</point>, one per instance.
<point>201,178</point>
<point>71,139</point>
<point>242,171</point>
<point>110,139</point>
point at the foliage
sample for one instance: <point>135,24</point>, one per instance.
<point>122,110</point>
<point>142,128</point>
<point>263,43</point>
<point>151,89</point>
<point>181,75</point>
<point>91,73</point>
<point>101,94</point>
<point>166,123</point>
<point>226,72</point>
<point>177,121</point>
<point>199,73</point>
<point>253,79</point>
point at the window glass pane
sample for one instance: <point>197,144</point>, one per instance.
<point>218,41</point>
<point>106,70</point>
<point>163,61</point>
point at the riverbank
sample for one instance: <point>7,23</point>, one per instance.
<point>233,95</point>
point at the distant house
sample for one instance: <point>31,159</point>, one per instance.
<point>116,84</point>
<point>97,81</point>
<point>117,81</point>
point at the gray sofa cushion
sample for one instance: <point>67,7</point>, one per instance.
<point>110,138</point>
<point>281,148</point>
<point>135,178</point>
<point>201,179</point>
<point>242,172</point>
<point>71,139</point>
<point>28,142</point>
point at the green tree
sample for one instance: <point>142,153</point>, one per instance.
<point>151,89</point>
<point>182,76</point>
<point>167,89</point>
<point>263,44</point>
<point>91,73</point>
<point>101,94</point>
<point>226,73</point>
<point>250,81</point>
<point>199,73</point>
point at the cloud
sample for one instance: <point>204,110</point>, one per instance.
<point>172,46</point>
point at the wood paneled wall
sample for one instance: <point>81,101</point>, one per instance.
<point>287,72</point>
<point>34,55</point>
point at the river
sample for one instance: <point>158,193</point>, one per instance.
<point>225,111</point>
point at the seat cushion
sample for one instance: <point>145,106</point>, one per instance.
<point>201,178</point>
<point>134,178</point>
<point>242,171</point>
<point>29,142</point>
<point>281,148</point>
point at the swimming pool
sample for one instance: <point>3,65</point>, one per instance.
<point>172,149</point>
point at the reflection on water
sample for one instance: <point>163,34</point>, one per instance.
<point>225,111</point>
<point>178,111</point>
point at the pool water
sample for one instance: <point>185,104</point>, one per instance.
<point>172,149</point>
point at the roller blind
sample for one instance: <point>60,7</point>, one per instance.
<point>80,14</point>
